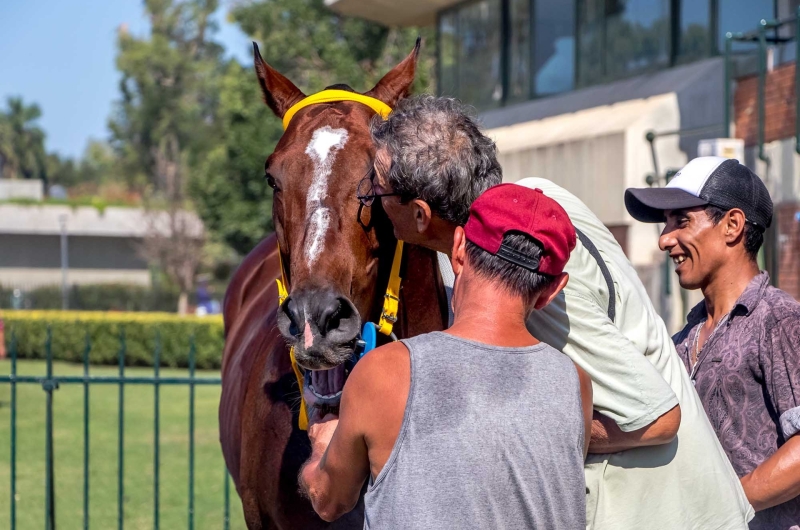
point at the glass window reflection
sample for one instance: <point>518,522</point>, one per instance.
<point>695,30</point>
<point>554,31</point>
<point>637,36</point>
<point>448,55</point>
<point>479,63</point>
<point>742,15</point>
<point>519,51</point>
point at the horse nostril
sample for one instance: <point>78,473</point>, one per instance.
<point>338,316</point>
<point>290,308</point>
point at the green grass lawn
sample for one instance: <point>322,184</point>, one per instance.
<point>68,443</point>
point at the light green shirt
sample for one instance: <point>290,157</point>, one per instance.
<point>636,377</point>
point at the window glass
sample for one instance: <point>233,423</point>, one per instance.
<point>637,36</point>
<point>448,54</point>
<point>479,64</point>
<point>742,15</point>
<point>695,30</point>
<point>519,59</point>
<point>554,47</point>
<point>591,58</point>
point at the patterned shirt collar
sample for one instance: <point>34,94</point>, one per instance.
<point>745,304</point>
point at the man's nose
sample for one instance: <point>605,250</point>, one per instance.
<point>667,239</point>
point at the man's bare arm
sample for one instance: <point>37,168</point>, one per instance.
<point>334,475</point>
<point>586,404</point>
<point>777,479</point>
<point>607,437</point>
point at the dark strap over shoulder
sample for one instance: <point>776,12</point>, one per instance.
<point>612,296</point>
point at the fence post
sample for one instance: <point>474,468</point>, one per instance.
<point>49,385</point>
<point>13,507</point>
<point>227,521</point>
<point>121,435</point>
<point>87,348</point>
<point>192,355</point>
<point>728,80</point>
<point>156,425</point>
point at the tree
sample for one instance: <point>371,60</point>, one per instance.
<point>315,48</point>
<point>164,124</point>
<point>22,153</point>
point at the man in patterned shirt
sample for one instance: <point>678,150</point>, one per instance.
<point>741,344</point>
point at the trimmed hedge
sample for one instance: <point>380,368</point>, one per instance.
<point>99,297</point>
<point>70,329</point>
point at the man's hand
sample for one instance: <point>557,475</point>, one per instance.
<point>320,432</point>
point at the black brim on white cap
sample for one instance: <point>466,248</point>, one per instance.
<point>648,204</point>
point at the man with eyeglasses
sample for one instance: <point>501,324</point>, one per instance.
<point>654,460</point>
<point>741,344</point>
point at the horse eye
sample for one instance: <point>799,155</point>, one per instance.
<point>271,181</point>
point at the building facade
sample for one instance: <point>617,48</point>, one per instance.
<point>570,89</point>
<point>102,245</point>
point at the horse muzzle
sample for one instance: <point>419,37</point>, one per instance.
<point>321,326</point>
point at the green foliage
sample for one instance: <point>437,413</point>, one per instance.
<point>102,297</point>
<point>164,119</point>
<point>70,330</point>
<point>230,191</point>
<point>314,48</point>
<point>22,153</point>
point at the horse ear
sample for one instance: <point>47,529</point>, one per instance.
<point>396,85</point>
<point>279,93</point>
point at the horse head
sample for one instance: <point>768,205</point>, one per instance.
<point>331,248</point>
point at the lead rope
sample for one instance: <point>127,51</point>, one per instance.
<point>391,305</point>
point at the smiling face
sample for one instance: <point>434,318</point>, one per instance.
<point>697,246</point>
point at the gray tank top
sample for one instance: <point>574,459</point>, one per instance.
<point>491,438</point>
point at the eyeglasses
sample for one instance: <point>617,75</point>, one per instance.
<point>365,192</point>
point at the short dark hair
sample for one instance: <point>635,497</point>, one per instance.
<point>515,279</point>
<point>753,235</point>
<point>438,155</point>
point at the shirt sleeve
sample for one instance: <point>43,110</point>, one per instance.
<point>627,387</point>
<point>782,374</point>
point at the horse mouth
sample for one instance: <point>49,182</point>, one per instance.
<point>323,388</point>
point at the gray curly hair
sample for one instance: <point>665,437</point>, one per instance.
<point>438,155</point>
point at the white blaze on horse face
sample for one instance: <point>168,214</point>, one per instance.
<point>322,149</point>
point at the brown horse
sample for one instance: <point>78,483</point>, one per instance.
<point>337,260</point>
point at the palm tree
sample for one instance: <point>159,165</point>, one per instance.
<point>22,151</point>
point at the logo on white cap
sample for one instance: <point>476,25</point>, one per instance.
<point>695,174</point>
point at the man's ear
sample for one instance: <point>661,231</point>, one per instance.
<point>734,222</point>
<point>459,254</point>
<point>547,296</point>
<point>422,215</point>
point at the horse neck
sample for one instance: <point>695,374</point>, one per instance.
<point>423,299</point>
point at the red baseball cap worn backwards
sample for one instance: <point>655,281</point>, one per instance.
<point>513,208</point>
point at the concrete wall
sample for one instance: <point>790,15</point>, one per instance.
<point>21,189</point>
<point>28,261</point>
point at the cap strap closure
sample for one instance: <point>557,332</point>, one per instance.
<point>517,258</point>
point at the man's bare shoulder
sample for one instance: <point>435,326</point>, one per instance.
<point>381,369</point>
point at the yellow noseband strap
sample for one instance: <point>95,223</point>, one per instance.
<point>332,96</point>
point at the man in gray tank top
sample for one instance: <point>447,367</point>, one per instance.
<point>481,426</point>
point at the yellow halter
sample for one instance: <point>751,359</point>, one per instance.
<point>332,96</point>
<point>391,300</point>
